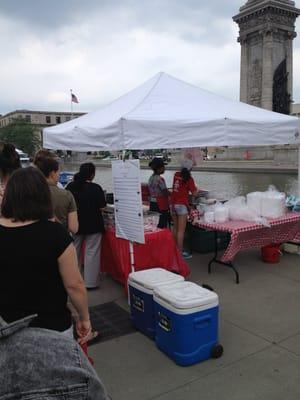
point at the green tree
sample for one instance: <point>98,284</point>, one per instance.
<point>22,134</point>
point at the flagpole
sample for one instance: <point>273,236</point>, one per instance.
<point>71,105</point>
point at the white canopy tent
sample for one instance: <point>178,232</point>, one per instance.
<point>166,113</point>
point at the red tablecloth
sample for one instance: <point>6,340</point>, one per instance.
<point>159,250</point>
<point>247,235</point>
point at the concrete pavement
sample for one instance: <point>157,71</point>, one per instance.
<point>259,329</point>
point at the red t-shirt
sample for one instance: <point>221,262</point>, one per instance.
<point>181,190</point>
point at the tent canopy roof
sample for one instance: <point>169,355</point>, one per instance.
<point>166,112</point>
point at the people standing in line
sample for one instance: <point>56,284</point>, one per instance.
<point>43,153</point>
<point>58,367</point>
<point>183,185</point>
<point>9,162</point>
<point>64,205</point>
<point>90,201</point>
<point>39,267</point>
<point>159,194</point>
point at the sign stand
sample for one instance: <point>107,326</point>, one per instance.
<point>298,171</point>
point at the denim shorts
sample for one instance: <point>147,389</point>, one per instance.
<point>180,209</point>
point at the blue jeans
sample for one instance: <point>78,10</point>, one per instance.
<point>60,369</point>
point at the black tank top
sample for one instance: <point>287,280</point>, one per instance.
<point>30,282</point>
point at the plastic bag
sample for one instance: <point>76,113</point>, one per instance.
<point>209,217</point>
<point>254,200</point>
<point>235,203</point>
<point>273,203</point>
<point>245,213</point>
<point>221,213</point>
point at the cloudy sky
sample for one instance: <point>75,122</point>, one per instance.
<point>103,48</point>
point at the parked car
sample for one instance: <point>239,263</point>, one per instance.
<point>111,158</point>
<point>165,158</point>
<point>24,158</point>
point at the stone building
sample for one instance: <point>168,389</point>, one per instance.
<point>267,30</point>
<point>40,119</point>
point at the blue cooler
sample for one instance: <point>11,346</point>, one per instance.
<point>187,322</point>
<point>141,285</point>
<point>65,177</point>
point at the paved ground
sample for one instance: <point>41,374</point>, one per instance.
<point>259,329</point>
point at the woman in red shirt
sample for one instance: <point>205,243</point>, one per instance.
<point>183,185</point>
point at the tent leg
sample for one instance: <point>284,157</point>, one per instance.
<point>131,251</point>
<point>299,171</point>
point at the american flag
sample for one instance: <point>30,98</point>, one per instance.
<point>74,98</point>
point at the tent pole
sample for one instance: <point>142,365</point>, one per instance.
<point>299,170</point>
<point>131,251</point>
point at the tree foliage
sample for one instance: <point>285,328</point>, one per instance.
<point>22,134</point>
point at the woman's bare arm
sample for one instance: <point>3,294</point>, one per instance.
<point>73,222</point>
<point>73,282</point>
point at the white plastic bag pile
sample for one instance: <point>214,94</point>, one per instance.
<point>269,204</point>
<point>255,207</point>
<point>221,213</point>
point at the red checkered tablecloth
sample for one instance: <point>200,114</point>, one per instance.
<point>247,235</point>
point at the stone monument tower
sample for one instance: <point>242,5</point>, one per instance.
<point>267,30</point>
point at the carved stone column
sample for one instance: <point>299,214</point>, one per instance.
<point>267,71</point>
<point>244,71</point>
<point>267,30</point>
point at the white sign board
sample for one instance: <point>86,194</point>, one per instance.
<point>128,200</point>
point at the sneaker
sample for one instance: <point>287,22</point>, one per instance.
<point>186,255</point>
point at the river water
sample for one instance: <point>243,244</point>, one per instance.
<point>222,185</point>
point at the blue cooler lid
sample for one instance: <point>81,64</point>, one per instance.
<point>65,177</point>
<point>152,278</point>
<point>186,297</point>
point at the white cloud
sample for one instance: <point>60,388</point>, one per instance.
<point>103,53</point>
<point>100,63</point>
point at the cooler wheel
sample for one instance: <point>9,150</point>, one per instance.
<point>216,351</point>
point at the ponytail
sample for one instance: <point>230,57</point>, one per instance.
<point>86,172</point>
<point>185,174</point>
